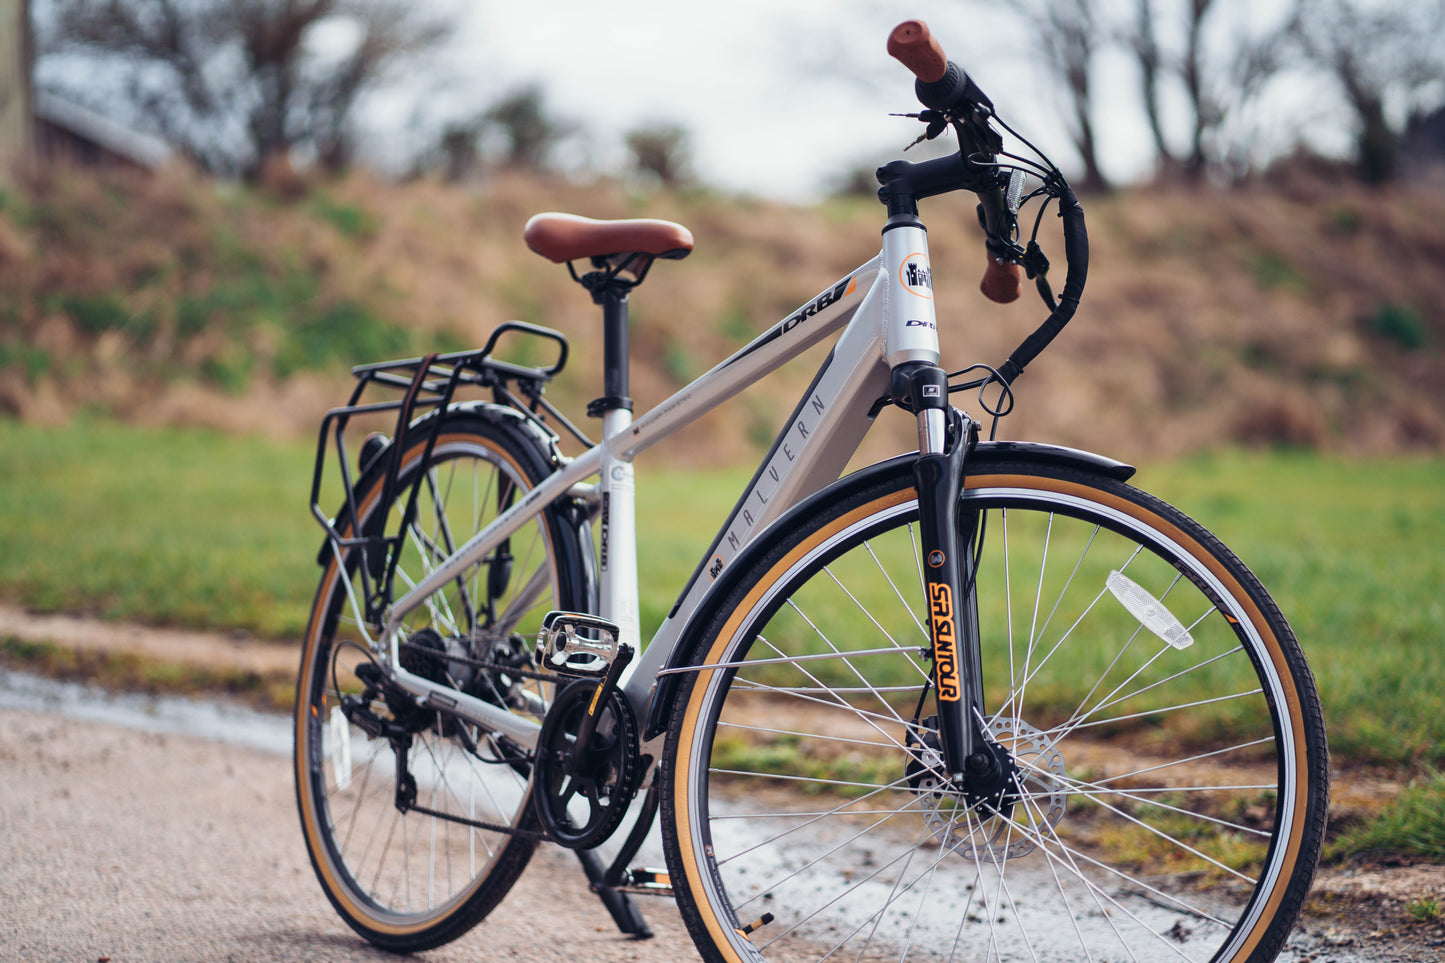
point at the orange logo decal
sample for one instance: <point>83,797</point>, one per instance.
<point>945,641</point>
<point>916,275</point>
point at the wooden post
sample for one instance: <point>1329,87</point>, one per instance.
<point>17,131</point>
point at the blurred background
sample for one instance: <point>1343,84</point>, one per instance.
<point>222,204</point>
<point>211,209</point>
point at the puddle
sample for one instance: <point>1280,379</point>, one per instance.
<point>235,725</point>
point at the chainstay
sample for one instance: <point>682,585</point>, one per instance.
<point>538,834</point>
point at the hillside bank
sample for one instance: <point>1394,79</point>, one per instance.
<point>1304,313</point>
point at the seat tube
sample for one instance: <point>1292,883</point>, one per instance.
<point>617,551</point>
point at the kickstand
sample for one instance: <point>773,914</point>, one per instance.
<point>624,911</point>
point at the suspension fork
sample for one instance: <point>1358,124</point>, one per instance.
<point>946,533</point>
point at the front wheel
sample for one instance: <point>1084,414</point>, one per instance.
<point>1169,774</point>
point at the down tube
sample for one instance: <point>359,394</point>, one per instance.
<point>811,451</point>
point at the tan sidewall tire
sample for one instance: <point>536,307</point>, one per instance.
<point>1305,818</point>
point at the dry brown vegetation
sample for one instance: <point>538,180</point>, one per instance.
<point>1307,313</point>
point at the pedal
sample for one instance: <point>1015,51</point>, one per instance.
<point>645,881</point>
<point>576,644</point>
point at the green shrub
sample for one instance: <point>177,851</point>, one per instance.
<point>95,315</point>
<point>346,333</point>
<point>230,369</point>
<point>1400,324</point>
<point>1273,271</point>
<point>1410,824</point>
<point>35,361</point>
<point>678,362</point>
<point>349,219</point>
<point>240,303</point>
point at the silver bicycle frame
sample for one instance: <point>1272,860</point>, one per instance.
<point>885,311</point>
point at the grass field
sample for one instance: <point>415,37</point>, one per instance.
<point>205,530</point>
<point>194,528</point>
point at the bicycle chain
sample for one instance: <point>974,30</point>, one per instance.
<point>484,664</point>
<point>538,834</point>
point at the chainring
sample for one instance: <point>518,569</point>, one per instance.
<point>580,810</point>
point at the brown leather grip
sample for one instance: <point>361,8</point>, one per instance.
<point>912,45</point>
<point>1000,281</point>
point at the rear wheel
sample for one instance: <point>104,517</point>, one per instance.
<point>404,879</point>
<point>1169,767</point>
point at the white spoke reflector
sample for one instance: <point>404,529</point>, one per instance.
<point>340,748</point>
<point>1148,610</point>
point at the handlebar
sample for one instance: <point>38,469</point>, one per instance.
<point>1001,282</point>
<point>942,86</point>
<point>912,45</point>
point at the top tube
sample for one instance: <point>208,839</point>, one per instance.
<point>826,313</point>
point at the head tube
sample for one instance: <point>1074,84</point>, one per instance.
<point>910,328</point>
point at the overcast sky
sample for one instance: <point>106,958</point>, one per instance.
<point>781,96</point>
<point>764,86</point>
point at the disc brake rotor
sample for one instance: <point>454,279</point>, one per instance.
<point>1034,806</point>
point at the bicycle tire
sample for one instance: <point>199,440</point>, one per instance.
<point>409,881</point>
<point>1170,798</point>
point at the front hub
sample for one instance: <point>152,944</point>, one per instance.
<point>1010,796</point>
<point>991,779</point>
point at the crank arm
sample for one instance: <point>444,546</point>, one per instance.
<point>600,699</point>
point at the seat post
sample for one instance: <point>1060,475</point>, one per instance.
<point>612,296</point>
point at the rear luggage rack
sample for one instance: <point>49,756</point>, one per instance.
<point>428,385</point>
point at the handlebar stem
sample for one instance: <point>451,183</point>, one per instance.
<point>904,184</point>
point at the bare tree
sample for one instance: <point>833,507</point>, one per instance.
<point>1375,54</point>
<point>238,81</point>
<point>1207,112</point>
<point>15,106</point>
<point>1143,40</point>
<point>527,126</point>
<point>663,151</point>
<point>1216,80</point>
<point>1068,33</point>
<point>518,130</point>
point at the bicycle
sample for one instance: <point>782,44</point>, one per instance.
<point>983,700</point>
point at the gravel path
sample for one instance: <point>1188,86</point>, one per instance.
<point>126,845</point>
<point>133,846</point>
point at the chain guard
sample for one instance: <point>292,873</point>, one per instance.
<point>581,810</point>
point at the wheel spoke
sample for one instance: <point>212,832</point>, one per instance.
<point>437,864</point>
<point>829,808</point>
<point>794,734</point>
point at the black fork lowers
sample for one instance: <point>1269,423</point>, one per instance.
<point>947,534</point>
